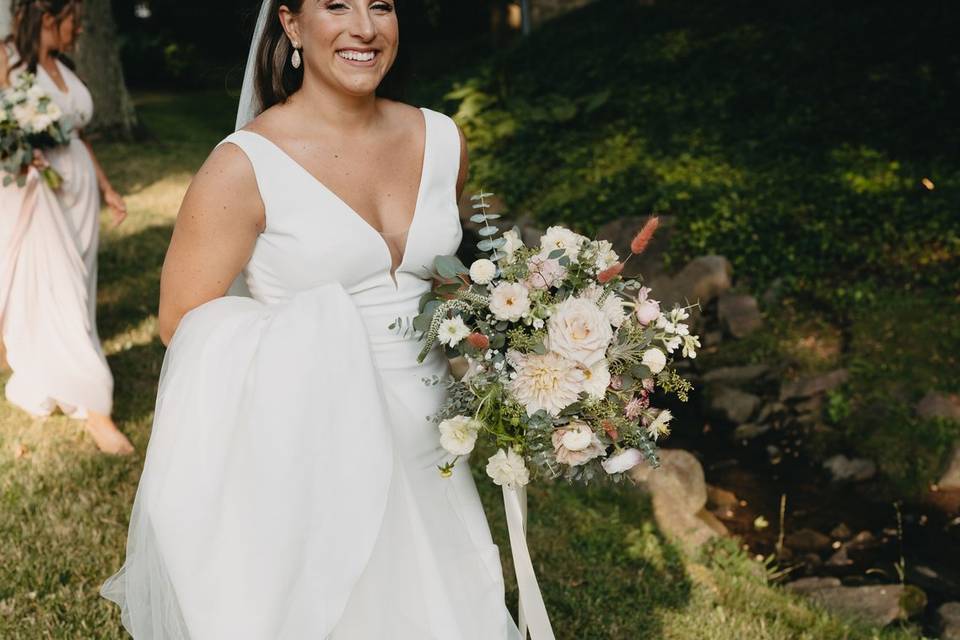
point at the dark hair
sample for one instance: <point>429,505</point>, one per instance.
<point>276,79</point>
<point>28,24</point>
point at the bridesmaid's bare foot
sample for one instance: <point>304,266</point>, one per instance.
<point>106,435</point>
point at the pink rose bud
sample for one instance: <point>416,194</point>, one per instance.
<point>647,311</point>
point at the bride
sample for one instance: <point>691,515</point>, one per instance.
<point>291,489</point>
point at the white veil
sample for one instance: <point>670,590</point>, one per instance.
<point>250,107</point>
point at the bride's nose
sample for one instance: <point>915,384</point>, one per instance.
<point>362,26</point>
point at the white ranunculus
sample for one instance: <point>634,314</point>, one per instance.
<point>509,301</point>
<point>606,257</point>
<point>452,331</point>
<point>549,382</point>
<point>578,437</point>
<point>483,271</point>
<point>655,360</point>
<point>579,330</point>
<point>507,469</point>
<point>458,435</point>
<point>597,379</point>
<point>622,461</point>
<point>562,238</point>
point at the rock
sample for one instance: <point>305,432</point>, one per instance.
<point>773,294</point>
<point>771,410</point>
<point>806,585</point>
<point>718,498</point>
<point>713,522</point>
<point>939,405</point>
<point>812,406</point>
<point>841,532</point>
<point>736,376</point>
<point>732,404</point>
<point>875,604</point>
<point>948,621</point>
<point>691,530</point>
<point>807,540</point>
<point>711,338</point>
<point>739,314</point>
<point>950,481</point>
<point>650,263</point>
<point>679,480</point>
<point>841,558</point>
<point>806,387</point>
<point>702,280</point>
<point>845,469</point>
<point>749,431</point>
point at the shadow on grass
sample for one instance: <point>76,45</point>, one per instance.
<point>136,372</point>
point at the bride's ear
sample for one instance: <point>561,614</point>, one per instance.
<point>291,24</point>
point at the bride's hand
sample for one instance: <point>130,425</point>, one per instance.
<point>118,208</point>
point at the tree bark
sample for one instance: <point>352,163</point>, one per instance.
<point>98,64</point>
<point>5,17</point>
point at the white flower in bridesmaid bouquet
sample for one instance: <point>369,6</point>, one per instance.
<point>483,271</point>
<point>509,301</point>
<point>596,379</point>
<point>507,469</point>
<point>576,444</point>
<point>458,435</point>
<point>655,360</point>
<point>623,461</point>
<point>512,243</point>
<point>563,238</point>
<point>660,426</point>
<point>452,331</point>
<point>549,382</point>
<point>579,330</point>
<point>690,346</point>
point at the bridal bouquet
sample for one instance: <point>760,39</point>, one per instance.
<point>29,123</point>
<point>563,352</point>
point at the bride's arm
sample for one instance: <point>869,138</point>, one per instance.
<point>464,165</point>
<point>218,224</point>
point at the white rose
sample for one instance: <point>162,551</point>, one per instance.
<point>513,242</point>
<point>509,301</point>
<point>597,379</point>
<point>578,330</point>
<point>578,437</point>
<point>623,461</point>
<point>452,331</point>
<point>655,360</point>
<point>483,271</point>
<point>507,469</point>
<point>562,238</point>
<point>458,435</point>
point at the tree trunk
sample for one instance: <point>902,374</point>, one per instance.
<point>5,17</point>
<point>98,64</point>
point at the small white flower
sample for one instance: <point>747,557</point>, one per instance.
<point>623,461</point>
<point>672,343</point>
<point>513,242</point>
<point>452,331</point>
<point>538,323</point>
<point>483,271</point>
<point>458,435</point>
<point>690,345</point>
<point>577,438</point>
<point>597,379</point>
<point>507,469</point>
<point>562,238</point>
<point>509,301</point>
<point>606,257</point>
<point>655,360</point>
<point>660,425</point>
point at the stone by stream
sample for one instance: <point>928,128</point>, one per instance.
<point>844,469</point>
<point>877,604</point>
<point>731,404</point>
<point>806,387</point>
<point>948,621</point>
<point>947,407</point>
<point>739,314</point>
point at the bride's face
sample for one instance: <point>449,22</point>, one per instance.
<point>347,44</point>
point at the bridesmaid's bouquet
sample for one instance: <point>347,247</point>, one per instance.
<point>564,355</point>
<point>30,122</point>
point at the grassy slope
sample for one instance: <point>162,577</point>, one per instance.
<point>605,571</point>
<point>792,138</point>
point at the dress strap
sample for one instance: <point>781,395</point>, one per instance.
<point>444,150</point>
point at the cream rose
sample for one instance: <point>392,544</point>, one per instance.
<point>507,469</point>
<point>579,435</point>
<point>655,360</point>
<point>579,330</point>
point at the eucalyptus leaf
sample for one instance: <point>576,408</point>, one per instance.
<point>641,371</point>
<point>488,231</point>
<point>556,253</point>
<point>498,341</point>
<point>449,266</point>
<point>486,245</point>
<point>479,218</point>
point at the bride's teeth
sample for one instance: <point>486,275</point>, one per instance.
<point>366,56</point>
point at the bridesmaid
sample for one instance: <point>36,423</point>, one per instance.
<point>49,320</point>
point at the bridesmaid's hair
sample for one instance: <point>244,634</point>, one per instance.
<point>276,79</point>
<point>28,24</point>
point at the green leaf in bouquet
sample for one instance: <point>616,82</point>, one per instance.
<point>641,371</point>
<point>481,205</point>
<point>498,341</point>
<point>422,322</point>
<point>556,253</point>
<point>449,266</point>
<point>539,348</point>
<point>627,381</point>
<point>448,289</point>
<point>479,218</point>
<point>431,307</point>
<point>497,255</point>
<point>572,409</point>
<point>7,181</point>
<point>503,325</point>
<point>424,299</point>
<point>488,231</point>
<point>482,194</point>
<point>490,243</point>
<point>564,261</point>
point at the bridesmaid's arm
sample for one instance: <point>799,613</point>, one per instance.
<point>4,66</point>
<point>464,165</point>
<point>112,199</point>
<point>219,221</point>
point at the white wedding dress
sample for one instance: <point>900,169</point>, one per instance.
<point>291,488</point>
<point>48,275</point>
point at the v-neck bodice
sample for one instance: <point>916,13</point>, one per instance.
<point>312,237</point>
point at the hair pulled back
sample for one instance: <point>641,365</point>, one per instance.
<point>28,25</point>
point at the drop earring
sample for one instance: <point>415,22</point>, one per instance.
<point>296,60</point>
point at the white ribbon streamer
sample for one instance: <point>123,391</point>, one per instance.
<point>533,612</point>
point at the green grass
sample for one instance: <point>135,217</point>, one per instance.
<point>606,572</point>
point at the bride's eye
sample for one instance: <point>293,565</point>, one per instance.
<point>382,6</point>
<point>336,6</point>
